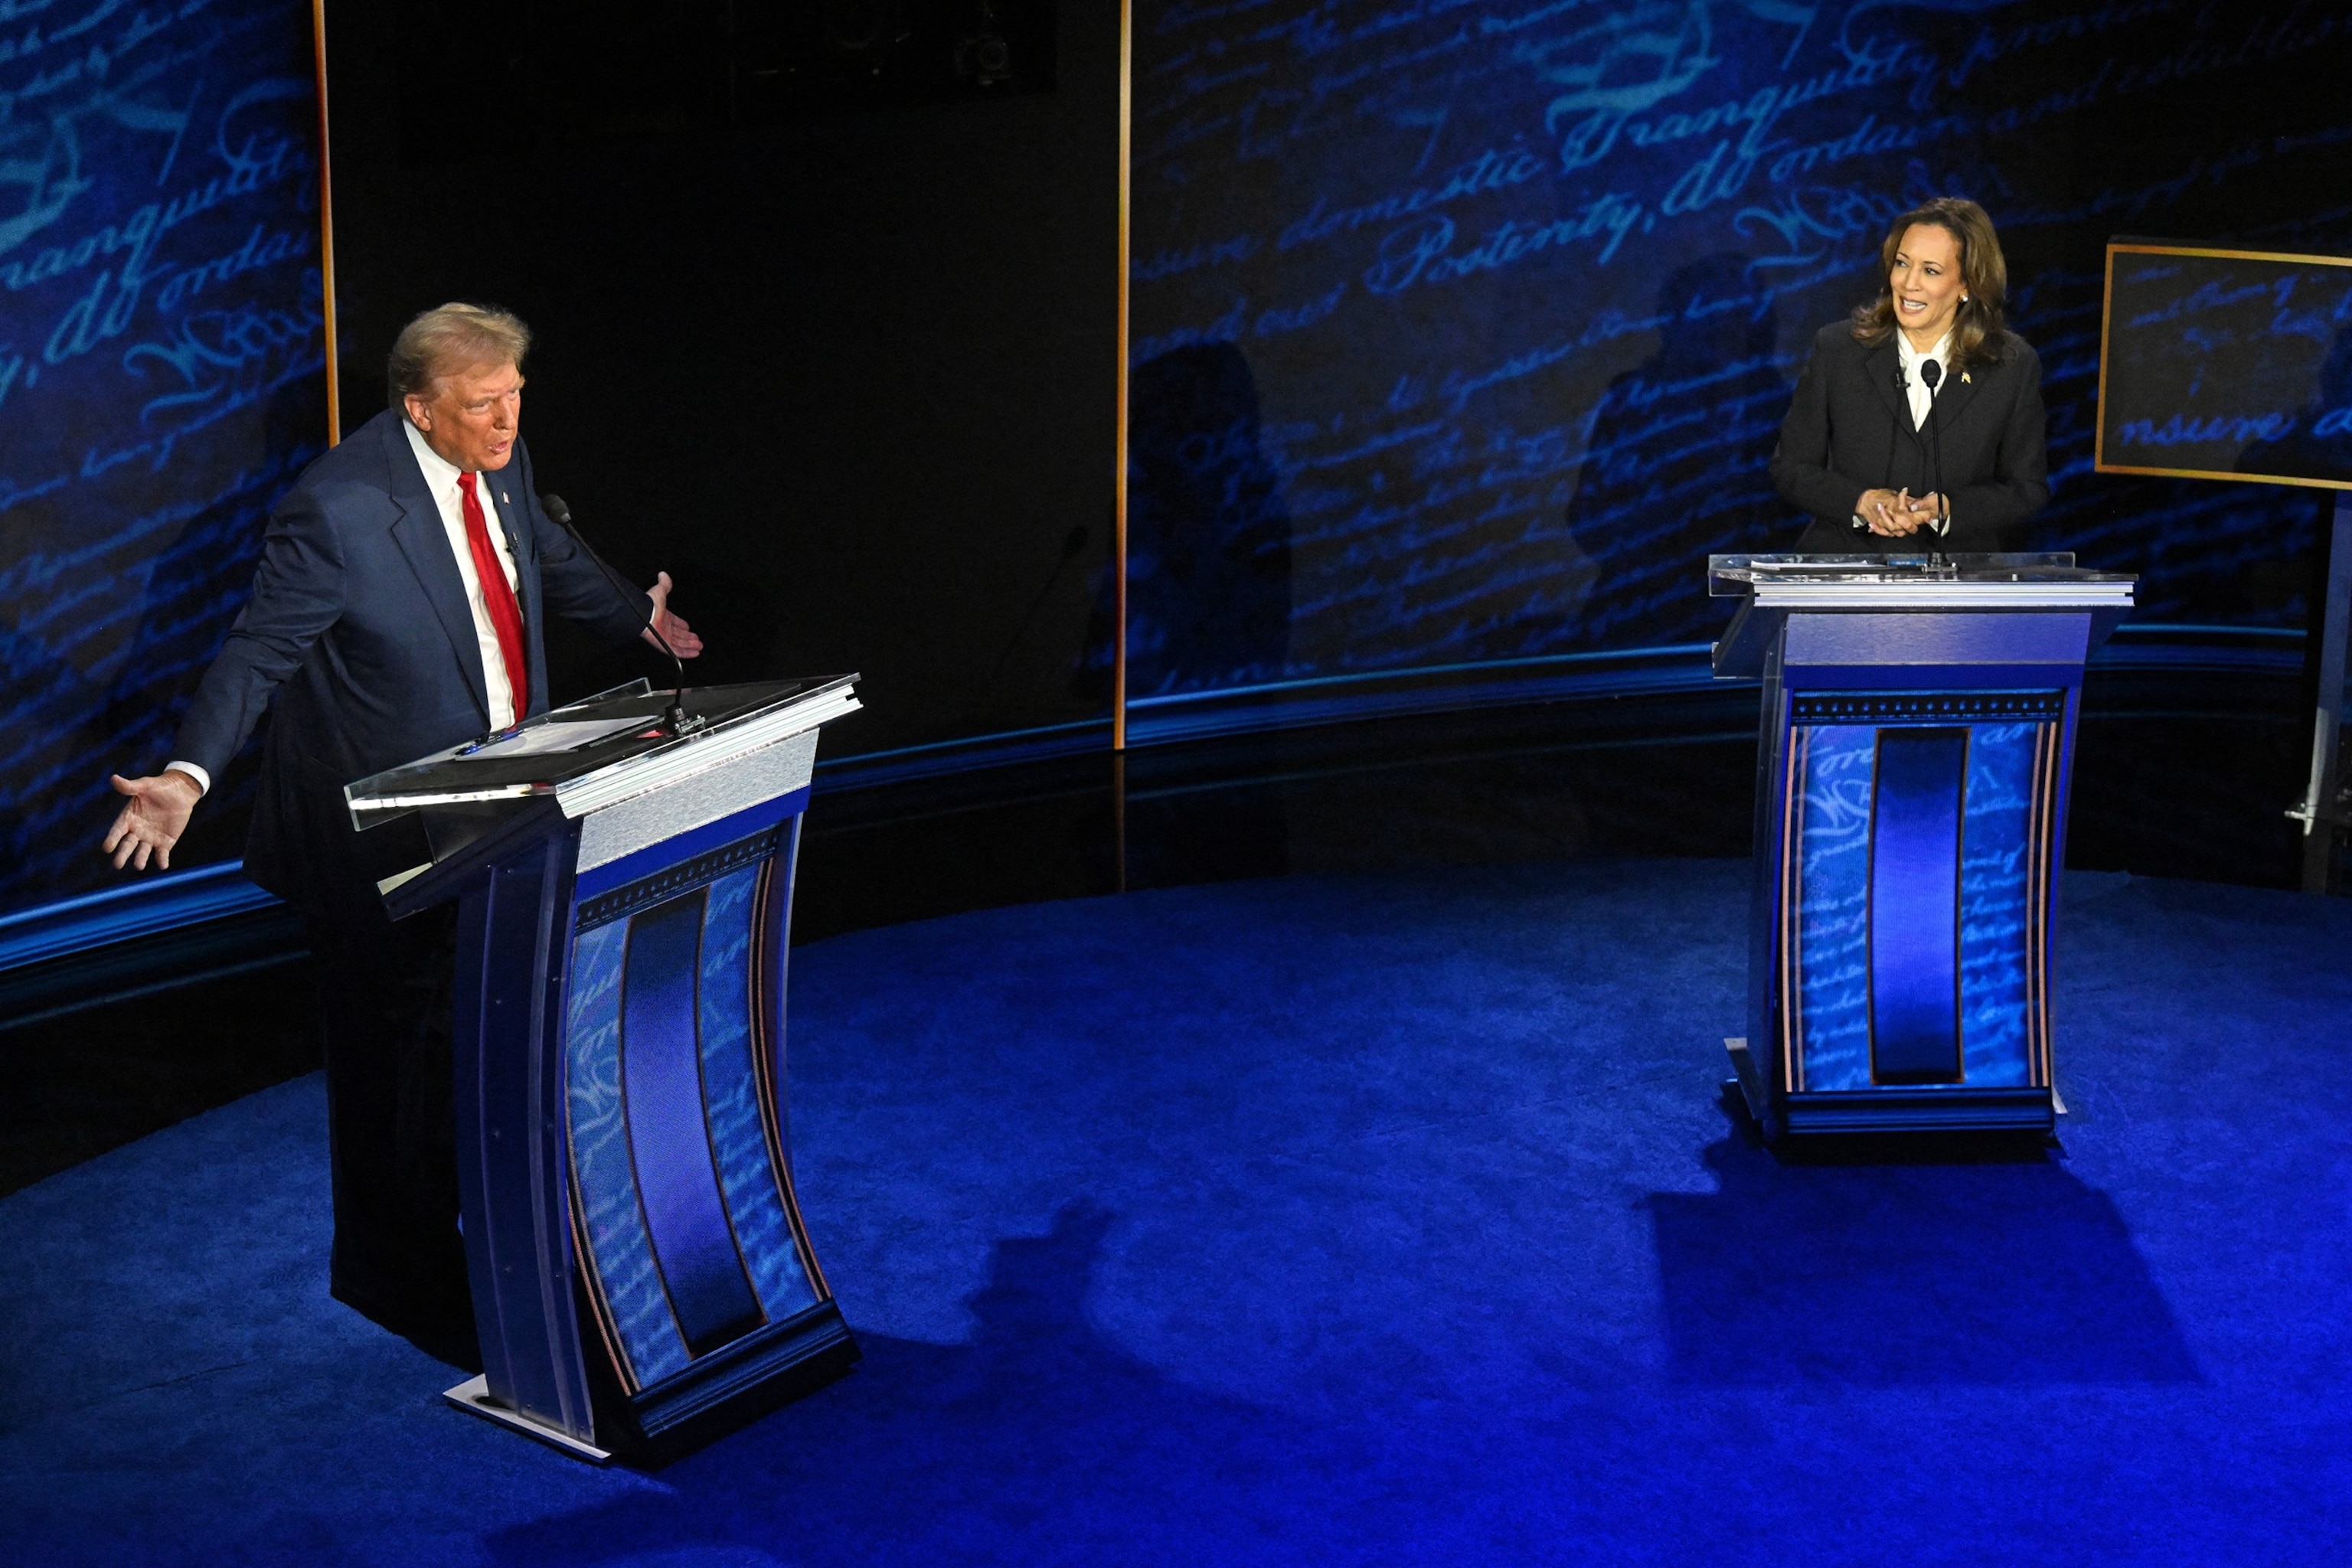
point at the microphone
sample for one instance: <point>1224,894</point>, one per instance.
<point>1902,396</point>
<point>1933,374</point>
<point>675,716</point>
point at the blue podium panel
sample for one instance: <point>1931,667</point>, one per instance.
<point>1916,722</point>
<point>690,1226</point>
<point>641,1276</point>
<point>1913,863</point>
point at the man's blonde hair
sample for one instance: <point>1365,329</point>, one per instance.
<point>451,338</point>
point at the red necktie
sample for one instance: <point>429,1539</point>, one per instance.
<point>498,597</point>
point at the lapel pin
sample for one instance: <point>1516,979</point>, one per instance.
<point>510,499</point>
<point>1964,378</point>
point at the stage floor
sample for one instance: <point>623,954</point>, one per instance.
<point>1387,1218</point>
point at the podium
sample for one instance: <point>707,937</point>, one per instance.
<point>641,1276</point>
<point>1916,733</point>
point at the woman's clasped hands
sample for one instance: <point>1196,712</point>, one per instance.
<point>1894,514</point>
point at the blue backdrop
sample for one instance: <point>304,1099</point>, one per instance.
<point>1462,327</point>
<point>160,381</point>
<point>1464,331</point>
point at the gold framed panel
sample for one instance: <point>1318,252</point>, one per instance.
<point>2099,463</point>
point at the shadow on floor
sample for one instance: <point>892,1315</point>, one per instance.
<point>1037,1431</point>
<point>1983,1271</point>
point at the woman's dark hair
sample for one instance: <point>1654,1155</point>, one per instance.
<point>1978,328</point>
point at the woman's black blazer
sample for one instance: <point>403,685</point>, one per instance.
<point>1849,430</point>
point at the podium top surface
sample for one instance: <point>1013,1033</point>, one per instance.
<point>607,748</point>
<point>1911,610</point>
<point>2039,581</point>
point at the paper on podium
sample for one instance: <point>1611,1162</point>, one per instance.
<point>541,740</point>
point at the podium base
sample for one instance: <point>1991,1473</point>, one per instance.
<point>473,1395</point>
<point>1956,1109</point>
<point>1750,1081</point>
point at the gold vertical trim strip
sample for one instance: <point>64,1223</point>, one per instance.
<point>2037,914</point>
<point>2047,804</point>
<point>2034,895</point>
<point>1791,962</point>
<point>771,904</point>
<point>1119,493</point>
<point>2052,745</point>
<point>585,1269</point>
<point>776,904</point>
<point>2107,314</point>
<point>326,231</point>
<point>2053,799</point>
<point>2034,887</point>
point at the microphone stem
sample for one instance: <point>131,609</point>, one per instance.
<point>675,716</point>
<point>1935,443</point>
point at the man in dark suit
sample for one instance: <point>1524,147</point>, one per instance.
<point>396,610</point>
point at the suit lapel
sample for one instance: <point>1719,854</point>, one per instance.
<point>1879,367</point>
<point>425,542</point>
<point>501,486</point>
<point>1957,392</point>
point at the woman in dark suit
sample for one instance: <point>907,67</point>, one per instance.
<point>1926,380</point>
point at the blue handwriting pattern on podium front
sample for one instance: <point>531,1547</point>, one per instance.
<point>1996,888</point>
<point>1838,779</point>
<point>603,1168</point>
<point>739,1143</point>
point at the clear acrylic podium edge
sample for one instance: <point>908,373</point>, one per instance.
<point>589,777</point>
<point>1739,574</point>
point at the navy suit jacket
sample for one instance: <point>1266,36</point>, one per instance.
<point>1849,430</point>
<point>359,640</point>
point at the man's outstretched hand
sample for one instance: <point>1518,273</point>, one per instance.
<point>153,819</point>
<point>666,627</point>
<point>157,812</point>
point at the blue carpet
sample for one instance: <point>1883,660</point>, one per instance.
<point>1386,1220</point>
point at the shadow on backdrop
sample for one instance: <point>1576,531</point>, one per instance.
<point>1675,459</point>
<point>2319,445</point>
<point>1994,1273</point>
<point>1208,535</point>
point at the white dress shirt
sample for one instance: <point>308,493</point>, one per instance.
<point>1912,360</point>
<point>1922,402</point>
<point>441,478</point>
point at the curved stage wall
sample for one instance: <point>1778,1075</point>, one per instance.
<point>1457,338</point>
<point>161,379</point>
<point>1462,332</point>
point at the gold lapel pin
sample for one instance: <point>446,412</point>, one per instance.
<point>1964,379</point>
